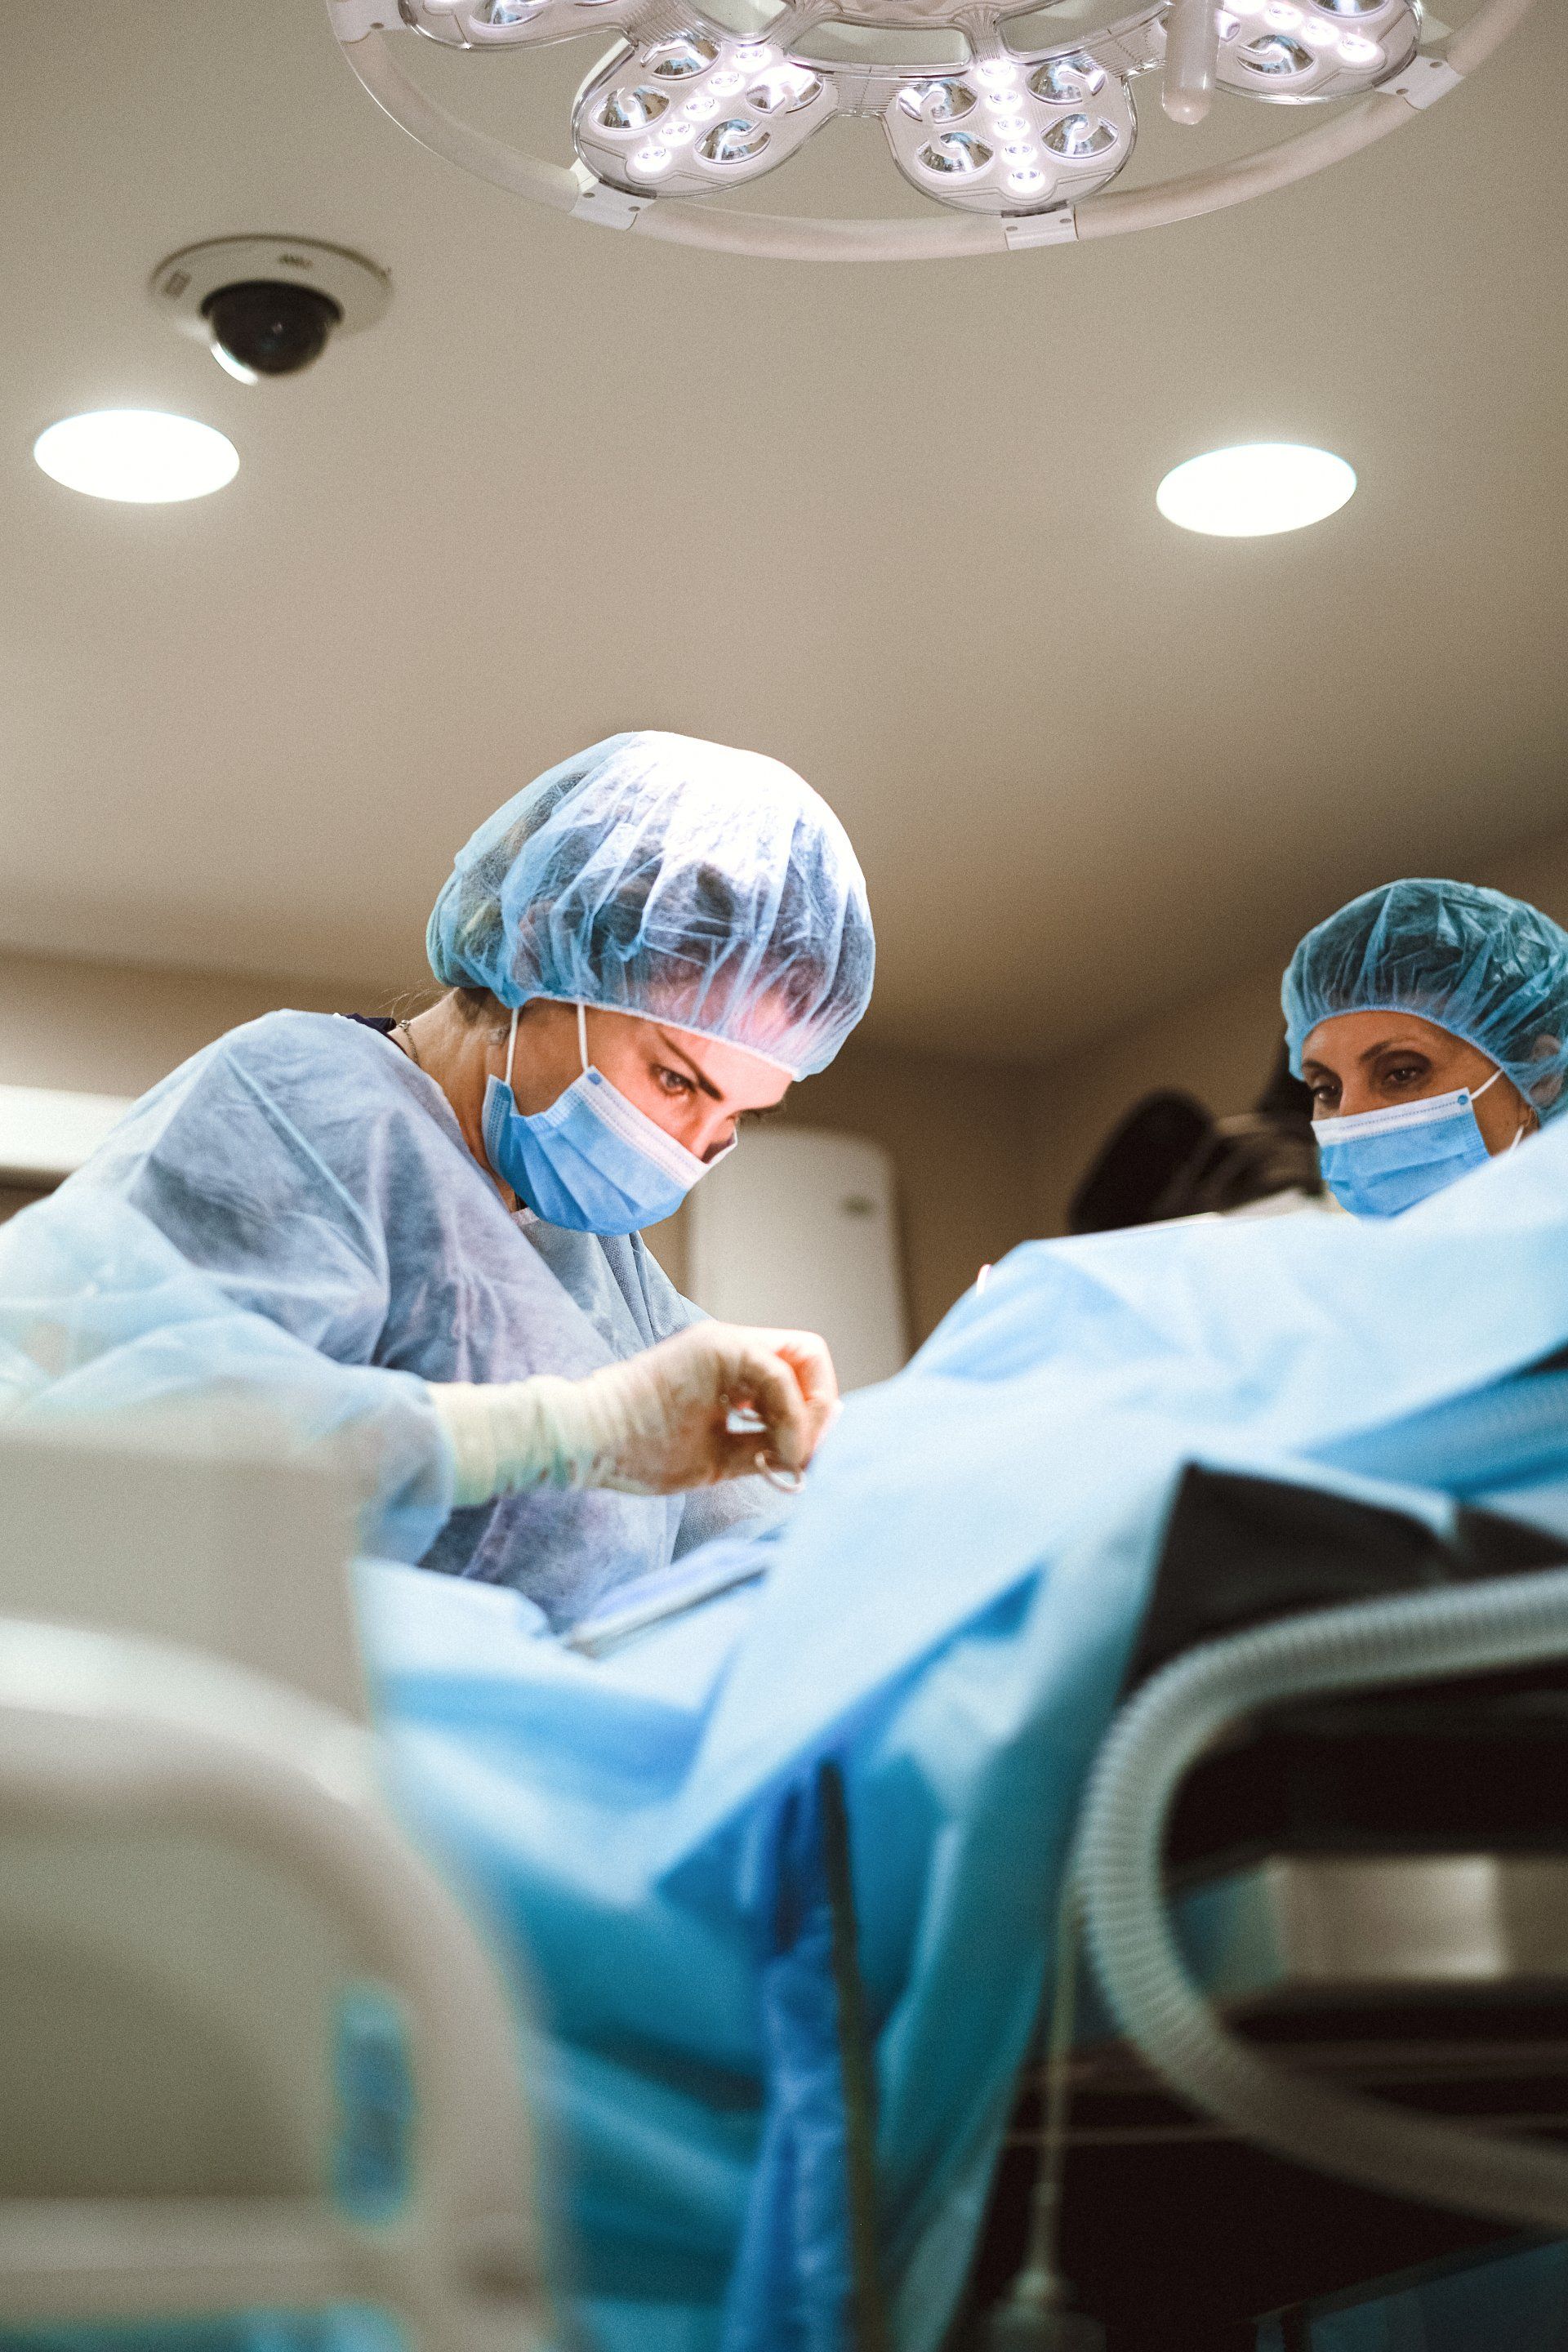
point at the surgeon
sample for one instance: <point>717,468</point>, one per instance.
<point>645,946</point>
<point>1430,1022</point>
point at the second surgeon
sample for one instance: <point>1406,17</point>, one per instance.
<point>647,942</point>
<point>1430,1021</point>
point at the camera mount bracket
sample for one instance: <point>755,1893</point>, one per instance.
<point>188,280</point>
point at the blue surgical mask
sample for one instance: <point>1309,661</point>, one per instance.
<point>593,1163</point>
<point>1377,1162</point>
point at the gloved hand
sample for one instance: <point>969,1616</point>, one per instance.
<point>656,1425</point>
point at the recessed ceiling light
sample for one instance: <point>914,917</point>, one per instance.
<point>1263,487</point>
<point>140,455</point>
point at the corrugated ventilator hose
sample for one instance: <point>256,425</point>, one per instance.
<point>1115,1893</point>
<point>1421,1637</point>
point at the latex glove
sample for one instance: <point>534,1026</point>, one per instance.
<point>657,1425</point>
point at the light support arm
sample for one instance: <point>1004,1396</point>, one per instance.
<point>1192,59</point>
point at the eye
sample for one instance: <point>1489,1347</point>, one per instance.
<point>1323,1090</point>
<point>1408,1073</point>
<point>674,1083</point>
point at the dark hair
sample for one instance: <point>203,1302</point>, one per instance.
<point>1170,1157</point>
<point>478,1007</point>
<point>474,1005</point>
<point>1244,1159</point>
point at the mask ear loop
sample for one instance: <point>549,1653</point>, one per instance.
<point>1522,1129</point>
<point>512,1045</point>
<point>583,1037</point>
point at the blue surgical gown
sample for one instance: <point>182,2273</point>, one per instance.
<point>322,1180</point>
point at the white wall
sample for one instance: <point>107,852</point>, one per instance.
<point>113,1029</point>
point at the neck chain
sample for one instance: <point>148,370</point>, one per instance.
<point>413,1048</point>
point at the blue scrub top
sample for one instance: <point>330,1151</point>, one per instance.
<point>309,1166</point>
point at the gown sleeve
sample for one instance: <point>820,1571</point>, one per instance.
<point>214,1160</point>
<point>209,1248</point>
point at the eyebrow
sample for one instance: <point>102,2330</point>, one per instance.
<point>1384,1045</point>
<point>706,1083</point>
<point>1392,1044</point>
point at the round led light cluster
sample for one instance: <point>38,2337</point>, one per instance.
<point>1005,137</point>
<point>1022,113</point>
<point>1289,52</point>
<point>695,114</point>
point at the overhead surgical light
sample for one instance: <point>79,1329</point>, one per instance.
<point>137,455</point>
<point>1250,492</point>
<point>1016,115</point>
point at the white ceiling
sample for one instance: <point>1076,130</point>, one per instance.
<point>895,525</point>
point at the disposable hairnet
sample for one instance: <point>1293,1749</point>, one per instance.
<point>663,876</point>
<point>1487,968</point>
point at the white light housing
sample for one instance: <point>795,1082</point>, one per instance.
<point>138,455</point>
<point>892,57</point>
<point>1261,487</point>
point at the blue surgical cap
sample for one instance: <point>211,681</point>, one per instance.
<point>666,877</point>
<point>1488,969</point>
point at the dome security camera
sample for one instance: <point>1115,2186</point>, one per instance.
<point>268,306</point>
<point>266,327</point>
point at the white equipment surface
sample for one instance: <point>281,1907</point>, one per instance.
<point>47,1133</point>
<point>799,1229</point>
<point>187,1528</point>
<point>253,2053</point>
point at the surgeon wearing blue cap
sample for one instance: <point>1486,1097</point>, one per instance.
<point>1430,1021</point>
<point>644,946</point>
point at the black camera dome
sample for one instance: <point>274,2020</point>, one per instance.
<point>270,327</point>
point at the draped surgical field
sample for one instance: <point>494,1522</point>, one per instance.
<point>1014,112</point>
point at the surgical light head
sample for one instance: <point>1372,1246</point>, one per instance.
<point>1485,968</point>
<point>1018,114</point>
<point>673,878</point>
<point>1012,130</point>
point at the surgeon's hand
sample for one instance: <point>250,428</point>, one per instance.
<point>713,1402</point>
<point>665,1420</point>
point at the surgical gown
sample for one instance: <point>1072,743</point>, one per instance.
<point>322,1180</point>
